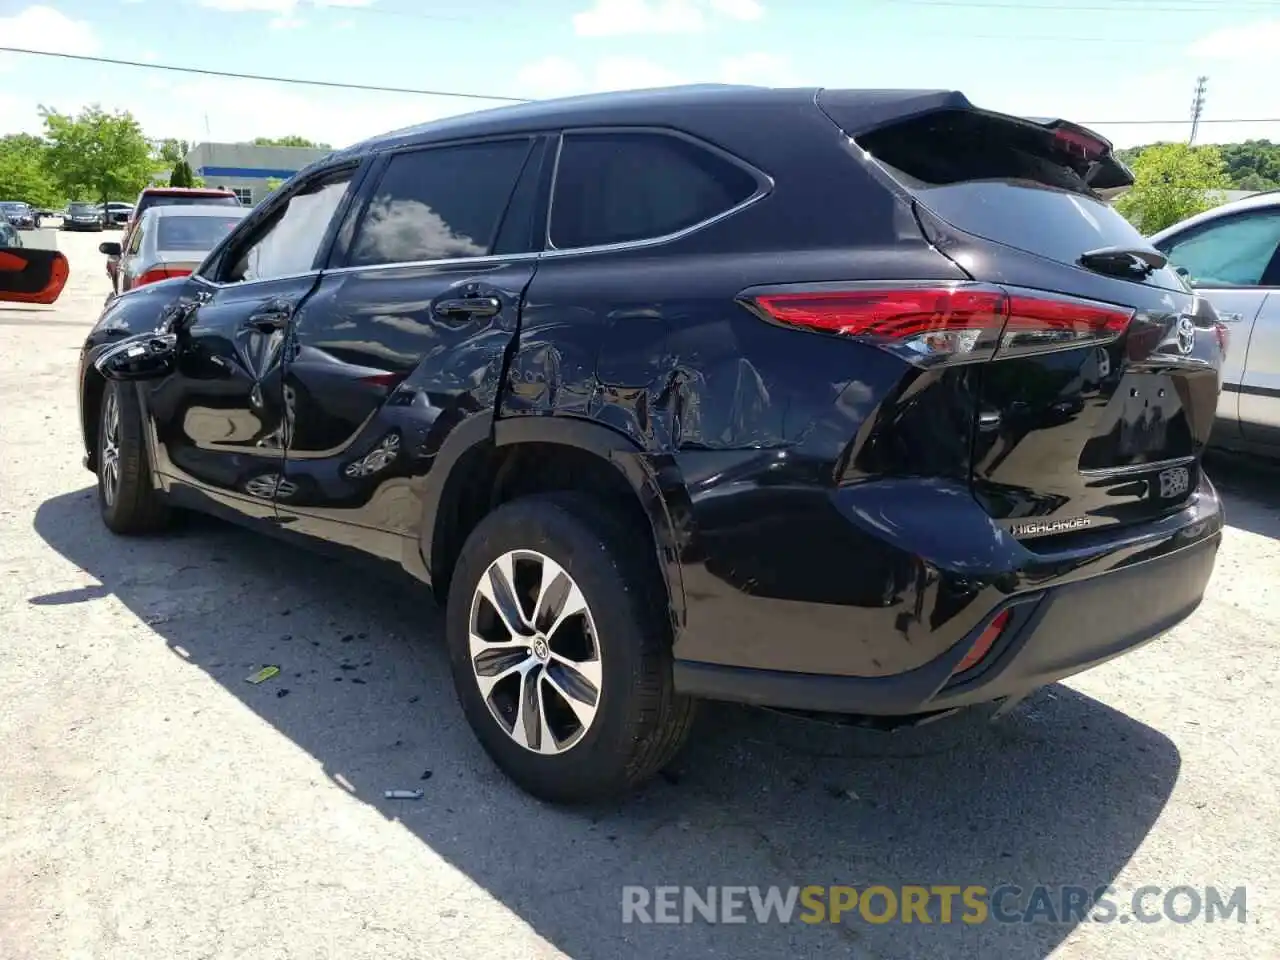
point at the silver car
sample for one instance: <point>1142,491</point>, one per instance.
<point>1231,254</point>
<point>171,242</point>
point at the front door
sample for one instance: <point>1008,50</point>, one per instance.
<point>406,336</point>
<point>220,418</point>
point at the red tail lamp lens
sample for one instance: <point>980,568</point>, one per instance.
<point>951,322</point>
<point>982,646</point>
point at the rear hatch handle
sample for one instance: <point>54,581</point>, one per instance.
<point>1136,262</point>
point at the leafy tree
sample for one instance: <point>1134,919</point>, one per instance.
<point>171,152</point>
<point>293,140</point>
<point>273,184</point>
<point>24,172</point>
<point>97,154</point>
<point>182,176</point>
<point>1173,181</point>
<point>1256,182</point>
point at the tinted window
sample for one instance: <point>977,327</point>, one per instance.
<point>192,233</point>
<point>162,200</point>
<point>439,204</point>
<point>615,187</point>
<point>1233,253</point>
<point>289,243</point>
<point>1003,181</point>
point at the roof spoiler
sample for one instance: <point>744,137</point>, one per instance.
<point>859,112</point>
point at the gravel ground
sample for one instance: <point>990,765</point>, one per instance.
<point>155,805</point>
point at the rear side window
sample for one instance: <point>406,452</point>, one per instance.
<point>1234,253</point>
<point>192,233</point>
<point>616,187</point>
<point>439,204</point>
<point>998,179</point>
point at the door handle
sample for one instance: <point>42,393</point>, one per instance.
<point>273,316</point>
<point>465,307</point>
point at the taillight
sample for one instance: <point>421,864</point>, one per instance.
<point>982,646</point>
<point>160,273</point>
<point>932,323</point>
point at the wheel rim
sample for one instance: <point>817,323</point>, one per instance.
<point>110,447</point>
<point>534,652</point>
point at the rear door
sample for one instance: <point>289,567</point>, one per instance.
<point>1234,260</point>
<point>406,334</point>
<point>1101,391</point>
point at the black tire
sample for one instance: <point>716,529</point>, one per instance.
<point>127,500</point>
<point>640,723</point>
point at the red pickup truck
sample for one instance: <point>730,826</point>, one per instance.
<point>166,197</point>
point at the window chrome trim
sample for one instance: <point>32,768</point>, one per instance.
<point>220,285</point>
<point>487,260</point>
<point>764,187</point>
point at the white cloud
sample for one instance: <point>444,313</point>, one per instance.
<point>738,9</point>
<point>614,17</point>
<point>762,69</point>
<point>610,18</point>
<point>1260,39</point>
<point>44,28</point>
<point>560,77</point>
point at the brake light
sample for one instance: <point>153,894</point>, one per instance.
<point>936,323</point>
<point>160,273</point>
<point>1080,143</point>
<point>982,646</point>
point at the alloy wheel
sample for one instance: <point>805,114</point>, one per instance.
<point>534,652</point>
<point>110,447</point>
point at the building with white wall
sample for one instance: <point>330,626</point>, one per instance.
<point>247,168</point>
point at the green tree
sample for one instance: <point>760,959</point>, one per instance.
<point>1173,181</point>
<point>170,152</point>
<point>273,184</point>
<point>182,176</point>
<point>293,140</point>
<point>97,154</point>
<point>24,171</point>
<point>1256,182</point>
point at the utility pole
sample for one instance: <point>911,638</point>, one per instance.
<point>1197,106</point>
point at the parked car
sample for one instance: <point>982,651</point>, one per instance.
<point>21,215</point>
<point>83,216</point>
<point>1231,254</point>
<point>9,236</point>
<point>168,197</point>
<point>115,214</point>
<point>857,402</point>
<point>171,242</point>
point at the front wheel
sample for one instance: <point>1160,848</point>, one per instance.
<point>127,499</point>
<point>560,645</point>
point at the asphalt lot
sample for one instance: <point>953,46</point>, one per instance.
<point>155,805</point>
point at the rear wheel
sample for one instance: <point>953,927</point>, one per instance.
<point>127,500</point>
<point>560,646</point>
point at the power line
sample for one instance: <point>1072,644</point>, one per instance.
<point>376,88</point>
<point>173,68</point>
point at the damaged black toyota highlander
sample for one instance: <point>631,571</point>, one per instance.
<point>848,401</point>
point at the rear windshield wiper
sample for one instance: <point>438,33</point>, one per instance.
<point>1138,262</point>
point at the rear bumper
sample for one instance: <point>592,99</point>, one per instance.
<point>1066,615</point>
<point>1061,632</point>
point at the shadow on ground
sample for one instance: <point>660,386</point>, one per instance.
<point>1250,489</point>
<point>1061,791</point>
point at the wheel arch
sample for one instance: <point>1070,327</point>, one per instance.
<point>480,463</point>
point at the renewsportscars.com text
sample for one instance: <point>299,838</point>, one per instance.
<point>937,904</point>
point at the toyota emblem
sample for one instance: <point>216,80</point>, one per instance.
<point>1186,339</point>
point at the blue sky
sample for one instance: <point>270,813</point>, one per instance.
<point>1091,61</point>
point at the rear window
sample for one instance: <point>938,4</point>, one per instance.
<point>1000,180</point>
<point>192,233</point>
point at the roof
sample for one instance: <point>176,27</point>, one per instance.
<point>631,106</point>
<point>1268,198</point>
<point>196,210</point>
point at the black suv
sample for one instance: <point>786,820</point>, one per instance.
<point>839,401</point>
